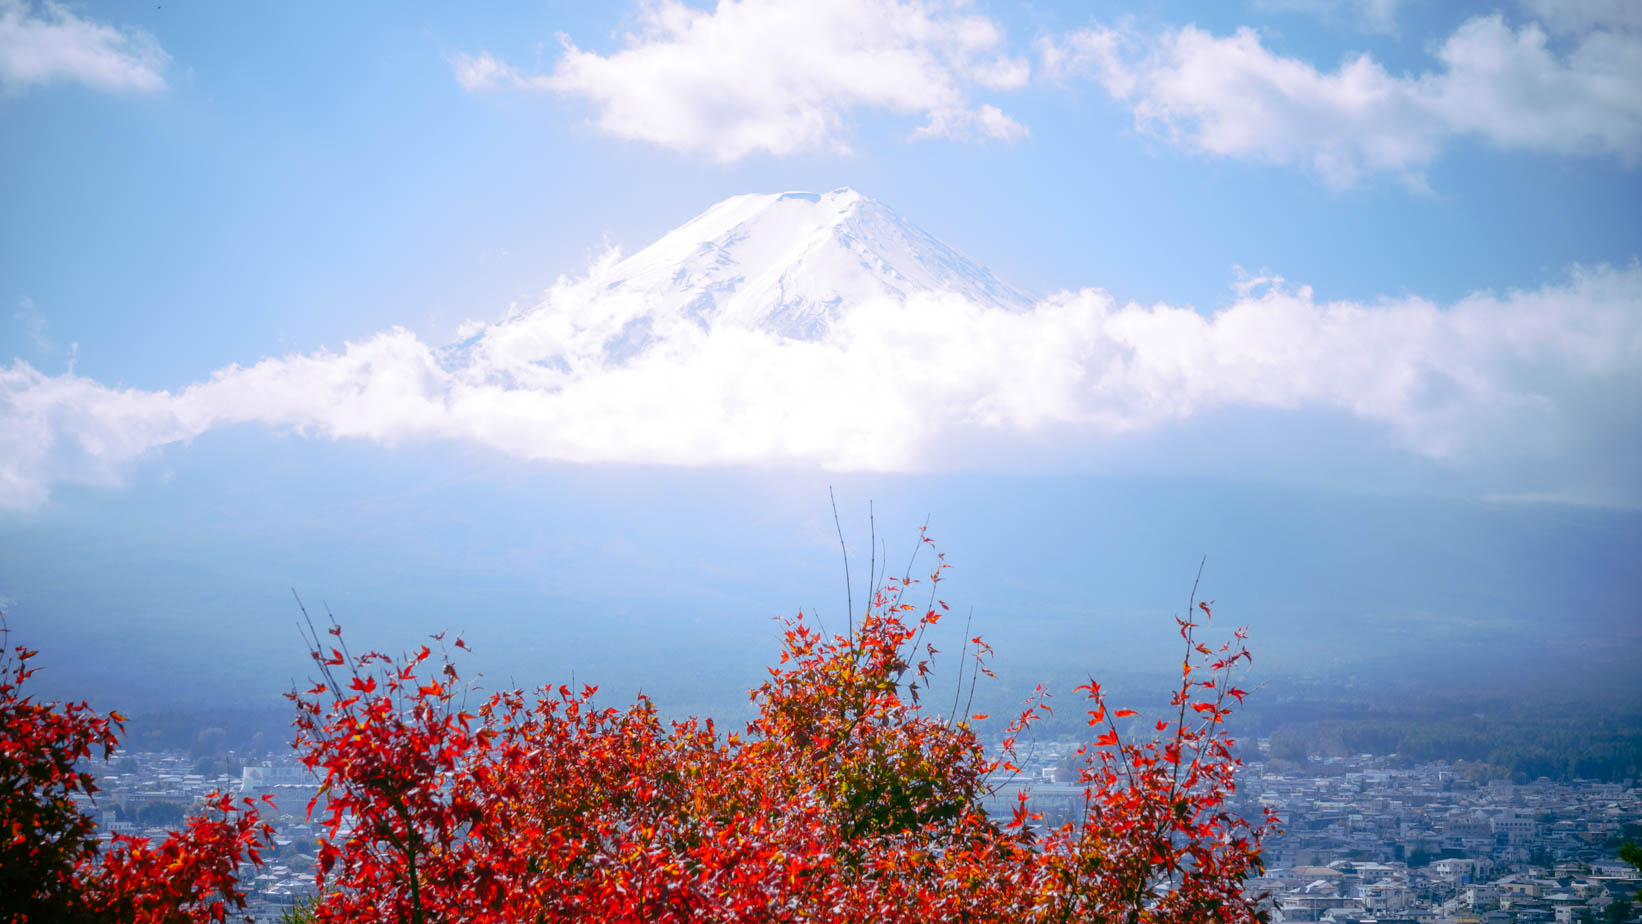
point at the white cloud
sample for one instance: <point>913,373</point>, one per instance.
<point>1231,96</point>
<point>982,122</point>
<point>1542,385</point>
<point>481,72</point>
<point>1513,90</point>
<point>49,43</point>
<point>779,77</point>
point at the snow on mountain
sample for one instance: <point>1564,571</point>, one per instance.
<point>784,264</point>
<point>787,263</point>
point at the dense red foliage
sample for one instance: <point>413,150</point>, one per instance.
<point>51,867</point>
<point>843,800</point>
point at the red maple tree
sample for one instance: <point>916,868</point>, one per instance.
<point>846,798</point>
<point>52,867</point>
<point>843,799</point>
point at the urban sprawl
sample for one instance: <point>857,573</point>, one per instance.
<point>1365,839</point>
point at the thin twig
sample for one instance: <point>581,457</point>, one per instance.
<point>872,553</point>
<point>958,689</point>
<point>1185,681</point>
<point>849,593</point>
<point>969,704</point>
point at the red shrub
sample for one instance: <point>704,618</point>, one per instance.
<point>51,869</point>
<point>843,800</point>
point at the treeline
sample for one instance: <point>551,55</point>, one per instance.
<point>213,733</point>
<point>1520,747</point>
<point>1501,736</point>
<point>1497,735</point>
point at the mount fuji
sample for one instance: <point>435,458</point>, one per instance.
<point>786,265</point>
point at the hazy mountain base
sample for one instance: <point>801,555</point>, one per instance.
<point>1499,735</point>
<point>177,597</point>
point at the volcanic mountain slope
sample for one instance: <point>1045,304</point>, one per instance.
<point>786,265</point>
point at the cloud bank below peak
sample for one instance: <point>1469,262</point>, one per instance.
<point>1529,393</point>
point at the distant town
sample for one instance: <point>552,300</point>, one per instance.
<point>1364,840</point>
<point>1367,840</point>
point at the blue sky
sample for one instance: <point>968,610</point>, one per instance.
<point>189,186</point>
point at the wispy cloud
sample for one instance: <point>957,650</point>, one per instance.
<point>1544,385</point>
<point>1231,96</point>
<point>484,72</point>
<point>779,77</point>
<point>981,123</point>
<point>33,323</point>
<point>48,43</point>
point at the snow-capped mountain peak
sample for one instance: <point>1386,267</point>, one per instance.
<point>788,263</point>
